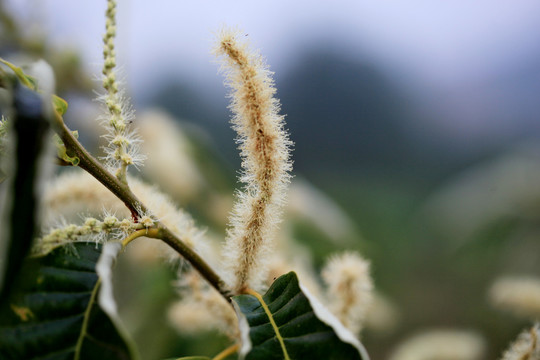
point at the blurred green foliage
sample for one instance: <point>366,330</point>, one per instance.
<point>350,126</point>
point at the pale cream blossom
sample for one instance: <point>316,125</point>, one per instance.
<point>519,295</point>
<point>264,147</point>
<point>442,344</point>
<point>349,288</point>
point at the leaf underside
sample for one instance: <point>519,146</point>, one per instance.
<point>54,313</point>
<point>305,336</point>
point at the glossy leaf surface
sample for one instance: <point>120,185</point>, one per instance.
<point>54,313</point>
<point>303,328</point>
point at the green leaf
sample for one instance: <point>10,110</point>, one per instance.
<point>60,105</point>
<point>62,308</point>
<point>293,326</point>
<point>61,150</point>
<point>27,80</point>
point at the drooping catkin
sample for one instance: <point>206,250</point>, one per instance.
<point>265,152</point>
<point>350,287</point>
<point>526,347</point>
<point>122,149</point>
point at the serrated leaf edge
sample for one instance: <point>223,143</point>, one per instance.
<point>320,311</point>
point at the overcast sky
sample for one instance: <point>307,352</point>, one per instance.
<point>439,42</point>
<point>450,54</point>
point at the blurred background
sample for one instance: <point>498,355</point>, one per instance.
<point>418,119</point>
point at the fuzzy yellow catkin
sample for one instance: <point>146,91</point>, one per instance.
<point>526,347</point>
<point>349,288</point>
<point>265,149</point>
<point>519,295</point>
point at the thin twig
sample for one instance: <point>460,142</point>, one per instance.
<point>227,352</point>
<point>122,191</point>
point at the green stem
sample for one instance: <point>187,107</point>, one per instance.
<point>139,233</point>
<point>123,192</point>
<point>227,352</point>
<point>196,261</point>
<point>97,170</point>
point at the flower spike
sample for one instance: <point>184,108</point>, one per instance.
<point>265,151</point>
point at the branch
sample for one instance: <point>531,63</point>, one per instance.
<point>122,191</point>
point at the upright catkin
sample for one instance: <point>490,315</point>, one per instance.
<point>122,149</point>
<point>265,150</point>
